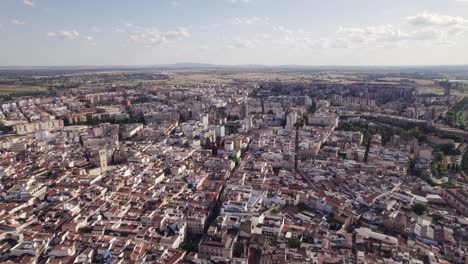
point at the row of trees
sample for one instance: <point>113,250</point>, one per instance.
<point>440,166</point>
<point>387,132</point>
<point>455,117</point>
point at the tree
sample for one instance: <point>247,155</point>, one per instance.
<point>232,128</point>
<point>236,160</point>
<point>456,138</point>
<point>434,168</point>
<point>439,156</point>
<point>294,242</point>
<point>276,170</point>
<point>419,209</point>
<point>233,117</point>
<point>447,148</point>
<point>417,172</point>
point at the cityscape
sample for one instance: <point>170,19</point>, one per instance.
<point>118,154</point>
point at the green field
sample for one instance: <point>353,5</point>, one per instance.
<point>21,90</point>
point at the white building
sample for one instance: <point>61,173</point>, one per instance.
<point>220,131</point>
<point>291,119</point>
<point>323,120</point>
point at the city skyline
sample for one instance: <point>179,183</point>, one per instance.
<point>233,32</point>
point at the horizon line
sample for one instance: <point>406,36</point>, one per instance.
<point>212,65</point>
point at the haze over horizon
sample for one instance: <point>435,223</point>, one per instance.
<point>233,32</point>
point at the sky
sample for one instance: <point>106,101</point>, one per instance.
<point>233,32</point>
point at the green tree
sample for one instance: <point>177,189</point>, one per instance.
<point>419,209</point>
<point>294,242</point>
<point>447,148</point>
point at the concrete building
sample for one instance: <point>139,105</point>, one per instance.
<point>103,160</point>
<point>291,119</point>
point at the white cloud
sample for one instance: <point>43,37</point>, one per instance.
<point>380,33</point>
<point>453,26</point>
<point>428,34</point>
<point>88,38</point>
<point>433,19</point>
<point>339,43</point>
<point>184,32</point>
<point>28,2</point>
<point>70,35</point>
<point>18,22</point>
<point>297,38</point>
<point>242,43</point>
<point>152,36</point>
<point>389,34</point>
<point>252,41</point>
<point>282,29</point>
<point>239,1</point>
<point>431,29</point>
<point>65,34</point>
<point>249,20</point>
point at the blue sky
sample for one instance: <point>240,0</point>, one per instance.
<point>269,32</point>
